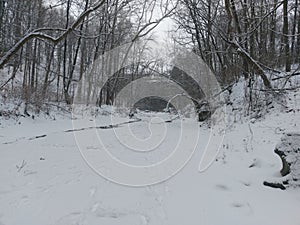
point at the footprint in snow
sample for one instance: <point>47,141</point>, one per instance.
<point>95,207</point>
<point>29,172</point>
<point>243,205</point>
<point>246,183</point>
<point>23,201</point>
<point>222,187</point>
<point>93,191</point>
<point>237,204</point>
<point>73,218</point>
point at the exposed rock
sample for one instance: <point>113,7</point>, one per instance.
<point>274,185</point>
<point>289,152</point>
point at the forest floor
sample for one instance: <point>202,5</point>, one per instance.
<point>45,180</point>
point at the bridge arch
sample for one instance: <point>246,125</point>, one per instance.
<point>116,83</point>
<point>153,103</point>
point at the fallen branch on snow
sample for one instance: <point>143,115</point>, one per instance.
<point>103,127</point>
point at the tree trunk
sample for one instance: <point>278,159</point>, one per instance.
<point>294,31</point>
<point>285,32</point>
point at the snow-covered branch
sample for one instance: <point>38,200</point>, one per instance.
<point>38,33</point>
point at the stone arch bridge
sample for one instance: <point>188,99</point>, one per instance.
<point>151,97</point>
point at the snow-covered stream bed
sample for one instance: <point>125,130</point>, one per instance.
<point>46,181</point>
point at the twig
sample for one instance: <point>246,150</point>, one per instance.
<point>37,137</point>
<point>288,76</point>
<point>22,166</point>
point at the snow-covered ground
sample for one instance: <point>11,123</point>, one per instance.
<point>46,181</point>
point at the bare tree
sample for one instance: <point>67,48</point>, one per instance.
<point>285,31</point>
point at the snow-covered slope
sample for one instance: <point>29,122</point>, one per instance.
<point>45,180</point>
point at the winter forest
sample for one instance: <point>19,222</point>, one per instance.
<point>46,47</point>
<point>149,112</point>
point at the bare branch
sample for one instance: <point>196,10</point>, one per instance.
<point>38,34</point>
